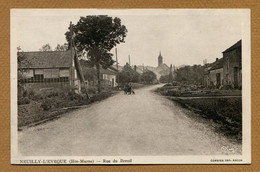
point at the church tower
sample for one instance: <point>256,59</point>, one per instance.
<point>160,59</point>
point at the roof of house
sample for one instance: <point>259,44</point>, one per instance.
<point>217,64</point>
<point>107,71</point>
<point>47,59</point>
<point>235,46</point>
<point>110,70</point>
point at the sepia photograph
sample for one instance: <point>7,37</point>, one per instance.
<point>132,86</point>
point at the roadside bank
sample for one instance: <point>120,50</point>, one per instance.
<point>222,107</point>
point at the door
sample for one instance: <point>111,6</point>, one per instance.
<point>235,77</point>
<point>113,82</point>
<point>218,80</point>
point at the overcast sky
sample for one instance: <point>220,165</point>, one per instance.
<point>183,36</point>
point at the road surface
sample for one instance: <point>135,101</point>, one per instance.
<point>129,125</point>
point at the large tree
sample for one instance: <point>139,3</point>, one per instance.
<point>97,35</point>
<point>190,74</point>
<point>148,77</point>
<point>128,75</point>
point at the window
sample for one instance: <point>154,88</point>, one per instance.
<point>64,75</point>
<point>38,75</point>
<point>64,79</point>
<point>38,78</point>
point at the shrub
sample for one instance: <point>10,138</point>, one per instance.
<point>24,100</point>
<point>46,105</point>
<point>53,94</point>
<point>25,93</point>
<point>173,93</point>
<point>92,90</point>
<point>31,94</point>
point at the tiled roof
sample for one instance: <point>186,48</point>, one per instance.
<point>47,59</point>
<point>235,46</point>
<point>217,64</point>
<point>107,71</point>
<point>110,70</point>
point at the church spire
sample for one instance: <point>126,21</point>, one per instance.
<point>160,59</point>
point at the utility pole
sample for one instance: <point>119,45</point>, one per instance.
<point>129,60</point>
<point>116,60</point>
<point>117,68</point>
<point>77,60</point>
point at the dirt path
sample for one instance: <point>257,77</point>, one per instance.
<point>140,124</point>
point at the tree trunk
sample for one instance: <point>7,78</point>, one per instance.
<point>98,77</point>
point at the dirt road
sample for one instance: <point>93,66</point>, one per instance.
<point>140,124</point>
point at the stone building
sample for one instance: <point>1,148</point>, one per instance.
<point>216,74</point>
<point>232,67</point>
<point>213,74</point>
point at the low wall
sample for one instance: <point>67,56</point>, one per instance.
<point>37,87</point>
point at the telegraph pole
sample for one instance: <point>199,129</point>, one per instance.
<point>116,60</point>
<point>72,44</point>
<point>117,68</point>
<point>129,60</point>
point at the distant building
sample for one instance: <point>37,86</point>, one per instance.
<point>232,69</point>
<point>51,70</point>
<point>107,76</point>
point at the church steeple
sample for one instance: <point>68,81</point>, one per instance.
<point>160,59</point>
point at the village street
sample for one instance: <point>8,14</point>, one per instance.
<point>129,125</point>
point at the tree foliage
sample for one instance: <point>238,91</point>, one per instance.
<point>128,75</point>
<point>63,47</point>
<point>21,62</point>
<point>164,78</point>
<point>190,74</point>
<point>148,77</point>
<point>90,73</point>
<point>97,35</point>
<point>46,47</point>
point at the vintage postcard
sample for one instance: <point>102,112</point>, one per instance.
<point>130,86</point>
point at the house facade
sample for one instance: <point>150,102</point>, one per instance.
<point>213,74</point>
<point>51,70</point>
<point>216,74</point>
<point>232,69</point>
<point>108,77</point>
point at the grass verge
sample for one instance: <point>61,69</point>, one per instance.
<point>44,108</point>
<point>225,112</point>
